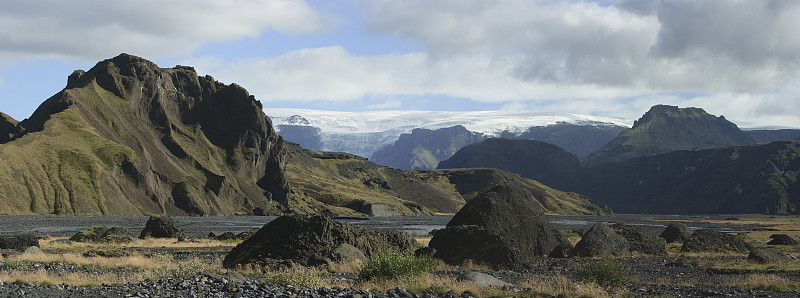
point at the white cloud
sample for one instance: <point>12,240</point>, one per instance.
<point>681,45</point>
<point>93,30</point>
<point>333,73</point>
<point>388,104</point>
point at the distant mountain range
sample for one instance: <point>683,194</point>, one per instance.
<point>673,160</point>
<point>420,139</point>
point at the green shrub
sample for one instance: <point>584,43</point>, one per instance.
<point>17,266</point>
<point>606,272</point>
<point>390,265</point>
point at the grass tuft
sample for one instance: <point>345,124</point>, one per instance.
<point>606,272</point>
<point>389,265</point>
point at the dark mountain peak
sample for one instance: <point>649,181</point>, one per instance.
<point>528,158</point>
<point>669,128</point>
<point>666,112</point>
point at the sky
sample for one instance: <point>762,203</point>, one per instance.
<point>737,58</point>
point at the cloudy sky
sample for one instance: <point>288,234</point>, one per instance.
<point>737,58</point>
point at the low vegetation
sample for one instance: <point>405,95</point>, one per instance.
<point>606,272</point>
<point>390,265</point>
<point>766,282</point>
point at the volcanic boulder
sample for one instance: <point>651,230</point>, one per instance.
<point>18,242</point>
<point>313,240</point>
<point>162,227</point>
<point>676,233</point>
<point>600,240</point>
<point>457,244</point>
<point>781,239</point>
<point>707,240</point>
<point>641,241</point>
<point>502,216</point>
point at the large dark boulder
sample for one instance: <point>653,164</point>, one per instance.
<point>162,227</point>
<point>769,255</point>
<point>641,241</point>
<point>781,239</point>
<point>515,215</point>
<point>18,242</point>
<point>676,232</point>
<point>99,234</point>
<point>707,240</point>
<point>600,240</point>
<point>457,244</point>
<point>313,240</point>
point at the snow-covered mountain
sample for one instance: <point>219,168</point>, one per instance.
<point>363,133</point>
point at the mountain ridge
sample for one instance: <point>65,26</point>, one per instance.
<point>128,137</point>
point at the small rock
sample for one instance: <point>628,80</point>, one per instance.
<point>483,280</point>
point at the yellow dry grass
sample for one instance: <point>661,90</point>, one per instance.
<point>559,285</point>
<point>59,243</point>
<point>42,276</point>
<point>769,282</point>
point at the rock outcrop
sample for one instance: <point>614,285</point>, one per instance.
<point>707,240</point>
<point>600,240</point>
<point>162,227</point>
<point>313,240</point>
<point>501,219</point>
<point>130,138</point>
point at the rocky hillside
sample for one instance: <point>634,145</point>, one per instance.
<point>669,128</point>
<point>346,184</point>
<point>580,140</point>
<point>128,137</point>
<point>7,127</point>
<point>526,157</point>
<point>423,149</point>
<point>734,179</point>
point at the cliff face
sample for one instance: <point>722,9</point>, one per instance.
<point>128,137</point>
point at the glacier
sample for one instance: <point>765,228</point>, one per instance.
<point>364,132</point>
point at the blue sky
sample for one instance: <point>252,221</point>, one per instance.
<point>610,58</point>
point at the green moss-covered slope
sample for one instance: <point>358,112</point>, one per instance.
<point>128,137</point>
